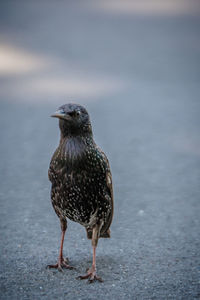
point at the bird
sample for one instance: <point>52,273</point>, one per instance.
<point>81,179</point>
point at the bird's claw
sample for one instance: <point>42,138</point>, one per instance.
<point>91,276</point>
<point>62,263</point>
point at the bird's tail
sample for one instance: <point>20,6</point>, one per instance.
<point>105,234</point>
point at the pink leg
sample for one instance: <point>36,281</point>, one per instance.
<point>62,262</point>
<point>91,273</point>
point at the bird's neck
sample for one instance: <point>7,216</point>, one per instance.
<point>74,147</point>
<point>68,131</point>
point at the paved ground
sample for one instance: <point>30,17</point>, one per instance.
<point>138,75</point>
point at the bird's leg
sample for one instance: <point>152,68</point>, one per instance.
<point>62,262</point>
<point>91,273</point>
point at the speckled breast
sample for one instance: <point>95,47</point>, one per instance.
<point>79,190</point>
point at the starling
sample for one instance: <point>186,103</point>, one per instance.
<point>81,182</point>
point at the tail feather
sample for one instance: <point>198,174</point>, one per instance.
<point>102,234</point>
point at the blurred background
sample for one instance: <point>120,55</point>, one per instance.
<point>135,66</point>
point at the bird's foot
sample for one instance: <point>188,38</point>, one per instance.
<point>91,276</point>
<point>62,263</point>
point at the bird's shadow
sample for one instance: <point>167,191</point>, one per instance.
<point>108,266</point>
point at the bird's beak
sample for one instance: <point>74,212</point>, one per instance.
<point>59,114</point>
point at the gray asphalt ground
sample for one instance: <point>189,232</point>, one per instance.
<point>147,123</point>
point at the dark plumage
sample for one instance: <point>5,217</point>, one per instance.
<point>81,181</point>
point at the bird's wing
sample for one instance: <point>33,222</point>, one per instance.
<point>51,171</point>
<point>105,232</point>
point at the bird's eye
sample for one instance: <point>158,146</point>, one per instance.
<point>74,113</point>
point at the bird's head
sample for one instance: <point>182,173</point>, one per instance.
<point>73,120</point>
